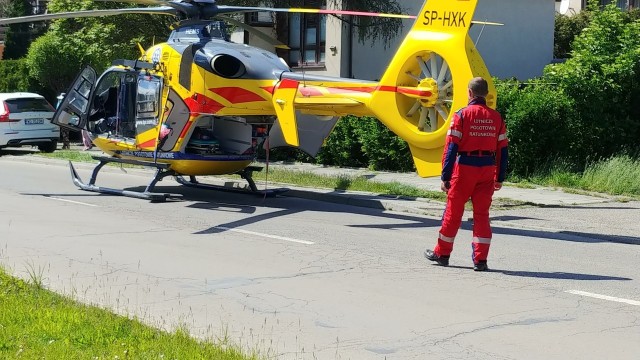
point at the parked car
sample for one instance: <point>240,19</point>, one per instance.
<point>25,119</point>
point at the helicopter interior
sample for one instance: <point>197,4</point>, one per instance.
<point>126,103</point>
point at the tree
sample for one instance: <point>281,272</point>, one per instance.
<point>55,58</point>
<point>18,36</point>
<point>368,28</point>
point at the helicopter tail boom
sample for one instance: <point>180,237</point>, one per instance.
<point>430,73</point>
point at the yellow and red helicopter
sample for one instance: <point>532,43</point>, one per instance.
<point>199,104</point>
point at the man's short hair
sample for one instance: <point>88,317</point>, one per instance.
<point>479,87</point>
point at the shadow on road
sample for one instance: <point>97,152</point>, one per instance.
<point>560,275</point>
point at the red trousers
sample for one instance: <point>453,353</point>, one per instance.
<point>477,183</point>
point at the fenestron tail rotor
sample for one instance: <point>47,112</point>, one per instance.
<point>434,68</point>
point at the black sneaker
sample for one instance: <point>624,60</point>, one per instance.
<point>481,266</point>
<point>441,260</point>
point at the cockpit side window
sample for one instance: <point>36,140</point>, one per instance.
<point>113,105</point>
<point>147,103</point>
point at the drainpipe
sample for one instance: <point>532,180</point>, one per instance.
<point>350,47</point>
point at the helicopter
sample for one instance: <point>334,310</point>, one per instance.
<point>199,104</point>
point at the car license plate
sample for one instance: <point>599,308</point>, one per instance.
<point>33,121</point>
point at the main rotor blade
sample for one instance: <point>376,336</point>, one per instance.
<point>142,2</point>
<point>256,32</point>
<point>161,10</point>
<point>234,9</point>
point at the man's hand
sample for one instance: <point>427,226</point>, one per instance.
<point>497,186</point>
<point>444,186</point>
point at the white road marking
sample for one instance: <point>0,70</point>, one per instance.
<point>70,201</point>
<point>604,297</point>
<point>265,235</point>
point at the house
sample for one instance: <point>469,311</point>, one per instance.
<point>570,7</point>
<point>326,45</point>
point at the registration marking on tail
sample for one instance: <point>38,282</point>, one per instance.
<point>604,297</point>
<point>247,232</point>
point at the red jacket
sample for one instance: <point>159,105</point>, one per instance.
<point>479,135</point>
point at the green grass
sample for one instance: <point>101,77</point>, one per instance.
<point>38,324</point>
<point>618,175</point>
<point>73,155</point>
<point>80,156</point>
<point>345,182</point>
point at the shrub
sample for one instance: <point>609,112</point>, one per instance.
<point>14,76</point>
<point>566,30</point>
<point>384,149</point>
<point>542,126</point>
<point>343,147</point>
<point>603,80</point>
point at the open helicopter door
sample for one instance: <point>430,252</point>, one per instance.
<point>73,110</point>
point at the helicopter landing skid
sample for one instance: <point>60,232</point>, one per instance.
<point>147,194</point>
<point>246,174</point>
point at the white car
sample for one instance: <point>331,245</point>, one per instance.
<point>25,119</point>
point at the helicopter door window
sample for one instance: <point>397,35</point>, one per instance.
<point>104,106</point>
<point>147,103</point>
<point>81,96</point>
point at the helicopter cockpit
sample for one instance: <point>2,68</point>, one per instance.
<point>112,111</point>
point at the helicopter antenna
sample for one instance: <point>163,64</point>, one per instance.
<point>480,34</point>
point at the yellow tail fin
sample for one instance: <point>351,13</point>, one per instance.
<point>446,16</point>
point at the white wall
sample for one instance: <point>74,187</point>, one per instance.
<point>521,48</point>
<point>575,6</point>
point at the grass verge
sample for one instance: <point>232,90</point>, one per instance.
<point>38,324</point>
<point>617,175</point>
<point>79,156</point>
<point>346,182</point>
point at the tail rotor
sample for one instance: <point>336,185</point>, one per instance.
<point>434,67</point>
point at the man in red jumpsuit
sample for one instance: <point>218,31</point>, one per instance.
<point>473,166</point>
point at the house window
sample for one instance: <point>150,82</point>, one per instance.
<point>307,36</point>
<point>622,4</point>
<point>259,19</point>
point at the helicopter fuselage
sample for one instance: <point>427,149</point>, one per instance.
<point>216,99</point>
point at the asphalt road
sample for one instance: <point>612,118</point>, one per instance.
<point>295,278</point>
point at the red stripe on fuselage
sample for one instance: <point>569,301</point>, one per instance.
<point>288,84</point>
<point>387,88</point>
<point>421,93</point>
<point>307,91</point>
<point>237,95</point>
<point>347,89</point>
<point>268,89</point>
<point>202,104</point>
<point>148,144</point>
<point>185,129</point>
